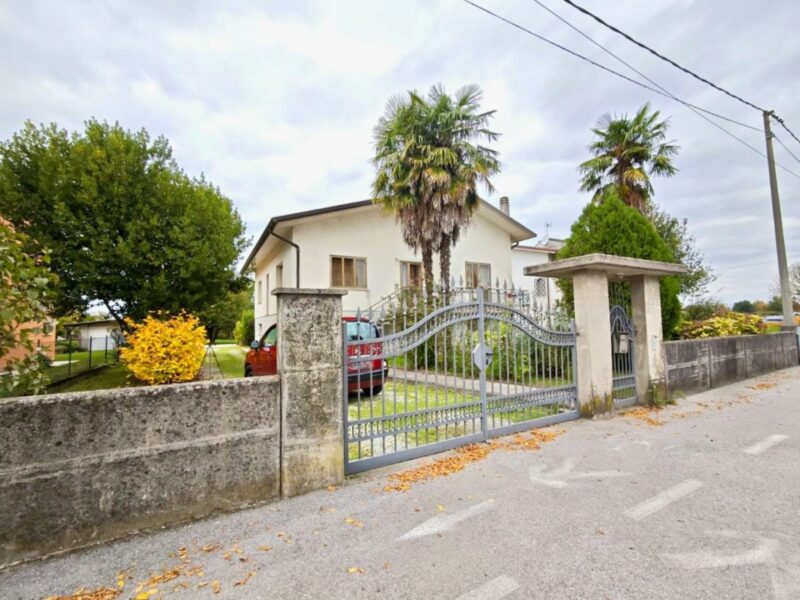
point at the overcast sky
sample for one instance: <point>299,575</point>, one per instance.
<point>275,101</point>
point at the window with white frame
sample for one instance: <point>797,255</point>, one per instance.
<point>348,272</point>
<point>540,287</point>
<point>478,275</point>
<point>410,274</point>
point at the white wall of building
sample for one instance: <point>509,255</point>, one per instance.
<point>545,292</point>
<point>366,232</point>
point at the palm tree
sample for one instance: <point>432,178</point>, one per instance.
<point>429,160</point>
<point>627,151</point>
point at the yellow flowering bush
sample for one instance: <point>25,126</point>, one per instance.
<point>165,351</point>
<point>723,324</point>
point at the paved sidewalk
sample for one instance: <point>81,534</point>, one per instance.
<point>706,505</point>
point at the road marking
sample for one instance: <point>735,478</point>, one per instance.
<point>561,476</point>
<point>445,522</point>
<point>497,588</point>
<point>665,498</point>
<point>765,444</point>
<point>761,554</point>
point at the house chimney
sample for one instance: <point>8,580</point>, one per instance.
<point>504,205</point>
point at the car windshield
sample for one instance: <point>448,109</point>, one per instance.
<point>361,330</point>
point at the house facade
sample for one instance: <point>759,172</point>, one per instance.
<point>97,335</point>
<point>359,248</point>
<point>543,290</point>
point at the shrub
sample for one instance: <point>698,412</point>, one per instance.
<point>729,323</point>
<point>165,351</point>
<point>245,327</point>
<point>611,227</point>
<point>705,309</point>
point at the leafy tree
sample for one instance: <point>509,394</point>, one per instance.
<point>743,306</point>
<point>759,306</point>
<point>220,318</point>
<point>704,309</point>
<point>611,227</point>
<point>429,160</point>
<point>24,308</point>
<point>125,225</point>
<point>775,305</point>
<point>627,151</point>
<point>245,327</point>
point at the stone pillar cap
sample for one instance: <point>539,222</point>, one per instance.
<point>308,291</point>
<point>615,267</point>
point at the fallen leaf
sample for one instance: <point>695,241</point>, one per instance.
<point>265,548</point>
<point>358,570</point>
<point>440,507</point>
<point>210,547</point>
<point>353,522</point>
<point>386,566</point>
<point>331,488</point>
<point>215,586</point>
<point>245,580</point>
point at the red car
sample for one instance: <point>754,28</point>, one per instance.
<point>366,377</point>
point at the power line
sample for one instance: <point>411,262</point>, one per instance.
<point>661,56</point>
<point>618,74</point>
<point>635,70</point>
<point>785,148</point>
<point>782,124</point>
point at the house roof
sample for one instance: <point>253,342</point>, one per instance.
<point>551,247</point>
<point>518,231</point>
<point>96,322</point>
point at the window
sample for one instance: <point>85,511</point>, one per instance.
<point>260,292</point>
<point>347,272</point>
<point>478,275</point>
<point>410,274</point>
<point>540,287</point>
<point>361,330</point>
<point>269,338</point>
<point>279,276</point>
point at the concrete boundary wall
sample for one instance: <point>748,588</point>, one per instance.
<point>80,468</point>
<point>699,365</point>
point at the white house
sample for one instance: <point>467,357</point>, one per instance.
<point>99,334</point>
<point>358,247</point>
<point>542,289</point>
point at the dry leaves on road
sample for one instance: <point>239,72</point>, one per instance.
<point>354,522</point>
<point>645,415</point>
<point>442,467</point>
<point>355,570</point>
<point>101,593</point>
<point>763,385</point>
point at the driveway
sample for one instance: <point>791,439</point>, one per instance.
<point>704,505</point>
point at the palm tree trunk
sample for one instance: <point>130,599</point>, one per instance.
<point>444,262</point>
<point>427,268</point>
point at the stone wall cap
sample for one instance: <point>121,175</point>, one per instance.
<point>308,291</point>
<point>616,267</point>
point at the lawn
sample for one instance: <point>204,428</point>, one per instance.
<point>401,397</point>
<point>80,362</point>
<point>230,357</point>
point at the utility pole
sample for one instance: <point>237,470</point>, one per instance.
<point>783,267</point>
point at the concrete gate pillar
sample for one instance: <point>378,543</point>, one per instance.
<point>312,389</point>
<point>648,349</point>
<point>590,275</point>
<point>592,345</point>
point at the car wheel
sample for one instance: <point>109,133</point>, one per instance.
<point>377,390</point>
<point>248,371</point>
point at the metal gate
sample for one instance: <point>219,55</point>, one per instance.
<point>426,373</point>
<point>622,346</point>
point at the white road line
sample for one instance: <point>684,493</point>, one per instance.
<point>765,444</point>
<point>445,522</point>
<point>497,588</point>
<point>665,498</point>
<point>761,554</point>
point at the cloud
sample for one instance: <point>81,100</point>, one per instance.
<point>275,101</point>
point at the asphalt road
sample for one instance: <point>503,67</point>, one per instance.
<point>705,506</point>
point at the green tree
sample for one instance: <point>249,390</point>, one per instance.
<point>611,227</point>
<point>704,309</point>
<point>245,327</point>
<point>627,152</point>
<point>125,225</point>
<point>220,318</point>
<point>429,161</point>
<point>24,308</point>
<point>743,306</point>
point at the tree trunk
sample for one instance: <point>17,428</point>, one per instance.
<point>444,262</point>
<point>427,269</point>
